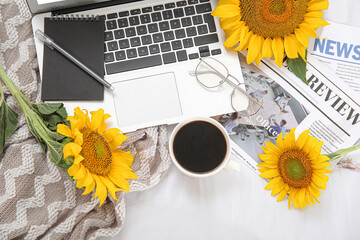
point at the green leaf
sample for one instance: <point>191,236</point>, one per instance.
<point>298,67</point>
<point>55,150</point>
<point>52,120</point>
<point>8,121</point>
<point>63,165</point>
<point>47,108</point>
<point>34,132</point>
<point>62,112</point>
<point>52,128</point>
<point>55,135</point>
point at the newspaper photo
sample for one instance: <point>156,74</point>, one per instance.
<point>330,112</point>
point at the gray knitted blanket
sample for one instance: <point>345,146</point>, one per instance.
<point>37,200</point>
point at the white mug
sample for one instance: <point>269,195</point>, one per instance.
<point>227,161</point>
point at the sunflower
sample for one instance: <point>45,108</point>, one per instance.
<point>295,167</point>
<point>97,163</point>
<point>267,28</point>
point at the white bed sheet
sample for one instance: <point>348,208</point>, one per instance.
<point>236,206</point>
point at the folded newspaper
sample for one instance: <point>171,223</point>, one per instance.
<point>328,106</point>
<point>338,47</point>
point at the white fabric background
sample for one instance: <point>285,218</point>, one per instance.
<point>236,206</point>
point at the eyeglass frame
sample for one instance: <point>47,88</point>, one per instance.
<point>226,79</point>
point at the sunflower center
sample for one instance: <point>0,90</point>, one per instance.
<point>96,152</point>
<point>295,168</point>
<point>273,18</point>
<point>276,7</point>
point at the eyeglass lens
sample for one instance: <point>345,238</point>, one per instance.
<point>211,73</point>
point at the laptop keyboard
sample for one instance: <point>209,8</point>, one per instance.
<point>157,35</point>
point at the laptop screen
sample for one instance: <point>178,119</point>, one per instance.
<point>37,6</point>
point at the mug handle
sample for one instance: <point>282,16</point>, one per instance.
<point>233,165</point>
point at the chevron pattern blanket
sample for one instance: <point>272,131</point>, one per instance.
<point>37,200</point>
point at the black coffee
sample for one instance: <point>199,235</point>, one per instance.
<point>199,147</point>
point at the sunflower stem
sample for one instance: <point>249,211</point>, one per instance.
<point>340,153</point>
<point>2,95</point>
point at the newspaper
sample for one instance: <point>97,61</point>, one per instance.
<point>338,47</point>
<point>325,106</point>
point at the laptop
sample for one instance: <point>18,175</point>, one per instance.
<point>150,48</point>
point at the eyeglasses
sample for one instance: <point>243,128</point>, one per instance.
<point>211,74</point>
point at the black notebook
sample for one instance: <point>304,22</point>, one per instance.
<point>83,39</point>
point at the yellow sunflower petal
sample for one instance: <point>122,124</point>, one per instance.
<point>123,156</point>
<point>319,179</point>
<point>302,139</point>
<point>302,198</point>
<point>296,201</point>
<point>89,180</point>
<point>306,28</point>
<point>226,10</point>
<point>315,152</point>
<point>111,133</point>
<point>81,173</point>
<point>278,49</point>
<point>231,23</point>
<point>244,43</point>
<point>321,165</point>
<point>268,164</point>
<point>310,196</point>
<point>73,169</point>
<point>263,169</point>
<point>302,37</point>
<point>102,126</point>
<point>270,174</point>
<point>324,170</point>
<point>233,39</point>
<point>229,32</point>
<point>254,48</point>
<point>120,181</point>
<point>323,158</point>
<point>267,51</point>
<point>309,144</point>
<point>259,57</point>
<point>289,139</point>
<point>269,158</point>
<point>78,159</point>
<point>117,141</point>
<point>64,130</point>
<point>222,2</point>
<point>279,142</point>
<point>272,183</point>
<point>100,191</point>
<point>317,6</point>
<point>278,188</point>
<point>313,15</point>
<point>78,137</point>
<point>290,47</point>
<point>282,194</point>
<point>82,117</point>
<point>71,149</point>
<point>110,186</point>
<point>315,23</point>
<point>89,188</point>
<point>124,171</point>
<point>300,49</point>
<point>96,119</point>
<point>80,182</point>
<point>307,198</point>
<point>272,148</point>
<point>291,197</point>
<point>314,191</point>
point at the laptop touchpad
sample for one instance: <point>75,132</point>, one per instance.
<point>146,99</point>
